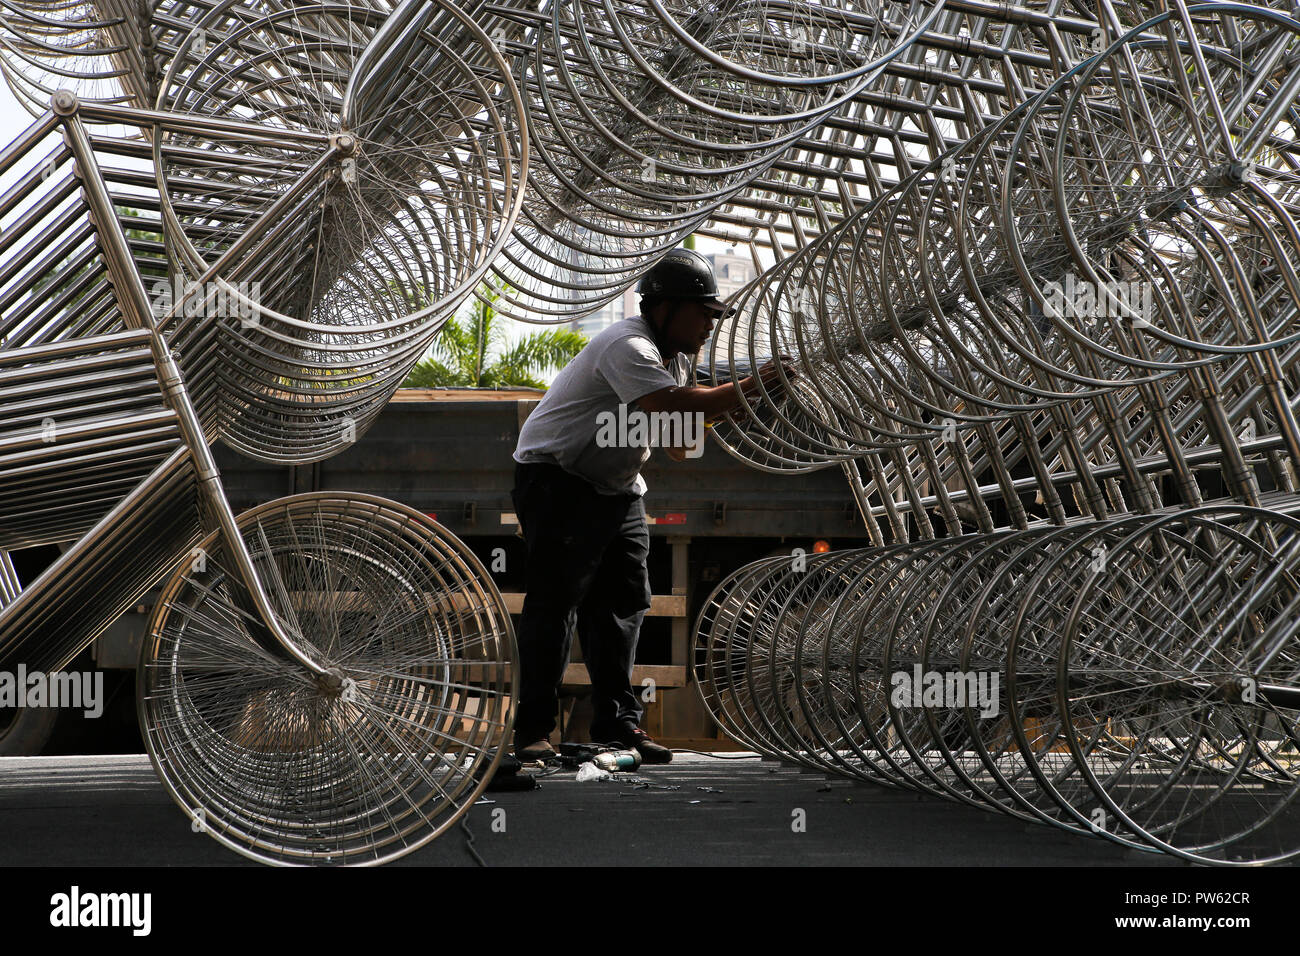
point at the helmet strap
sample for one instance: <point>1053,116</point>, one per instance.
<point>660,333</point>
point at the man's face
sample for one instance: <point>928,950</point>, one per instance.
<point>688,326</point>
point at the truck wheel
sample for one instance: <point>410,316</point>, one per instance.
<point>24,731</point>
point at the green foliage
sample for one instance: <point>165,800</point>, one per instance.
<point>475,352</point>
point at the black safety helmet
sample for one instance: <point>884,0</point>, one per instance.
<point>682,274</point>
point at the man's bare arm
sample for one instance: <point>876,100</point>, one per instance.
<point>710,401</point>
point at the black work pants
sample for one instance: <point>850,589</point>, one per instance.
<point>586,564</point>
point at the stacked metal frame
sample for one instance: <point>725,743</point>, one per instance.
<point>1134,678</point>
<point>1034,267</point>
<point>1037,355</point>
<point>326,678</point>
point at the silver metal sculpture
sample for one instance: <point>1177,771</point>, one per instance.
<point>327,677</point>
<point>949,364</point>
<point>1133,678</point>
<point>1037,268</point>
<point>644,119</point>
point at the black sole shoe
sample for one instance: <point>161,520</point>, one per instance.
<point>536,751</point>
<point>652,752</point>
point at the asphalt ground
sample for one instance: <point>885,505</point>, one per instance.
<point>942,872</point>
<point>697,811</point>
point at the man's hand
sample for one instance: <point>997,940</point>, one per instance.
<point>682,452</point>
<point>770,374</point>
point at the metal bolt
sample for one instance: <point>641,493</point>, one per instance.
<point>64,102</point>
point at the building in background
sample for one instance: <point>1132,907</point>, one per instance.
<point>613,311</point>
<point>733,271</point>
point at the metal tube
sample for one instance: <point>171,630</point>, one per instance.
<point>137,312</point>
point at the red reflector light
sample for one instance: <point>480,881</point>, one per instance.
<point>673,517</point>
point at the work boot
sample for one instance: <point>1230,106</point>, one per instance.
<point>641,742</point>
<point>538,750</point>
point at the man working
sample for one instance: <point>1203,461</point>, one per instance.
<point>578,496</point>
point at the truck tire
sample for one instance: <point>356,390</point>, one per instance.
<point>24,731</point>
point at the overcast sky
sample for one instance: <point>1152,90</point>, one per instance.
<point>13,118</point>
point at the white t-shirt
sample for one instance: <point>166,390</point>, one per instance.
<point>618,366</point>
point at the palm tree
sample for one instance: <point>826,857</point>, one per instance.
<point>477,353</point>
